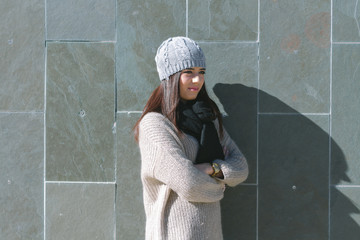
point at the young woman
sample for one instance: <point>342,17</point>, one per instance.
<point>187,156</point>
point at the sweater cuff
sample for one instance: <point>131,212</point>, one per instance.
<point>223,168</point>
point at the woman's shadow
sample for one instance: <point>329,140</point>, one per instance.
<point>290,179</point>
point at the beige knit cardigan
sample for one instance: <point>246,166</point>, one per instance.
<point>180,201</point>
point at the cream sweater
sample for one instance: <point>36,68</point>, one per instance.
<point>180,201</point>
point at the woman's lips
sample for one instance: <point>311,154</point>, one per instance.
<point>193,89</point>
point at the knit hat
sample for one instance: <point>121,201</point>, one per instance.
<point>176,54</point>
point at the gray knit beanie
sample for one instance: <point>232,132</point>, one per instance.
<point>176,54</point>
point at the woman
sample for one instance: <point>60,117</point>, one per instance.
<point>187,156</point>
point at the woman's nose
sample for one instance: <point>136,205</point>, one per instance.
<point>196,78</point>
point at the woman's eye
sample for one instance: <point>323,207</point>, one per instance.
<point>188,72</point>
<point>202,72</point>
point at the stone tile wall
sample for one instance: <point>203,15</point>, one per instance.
<point>75,76</point>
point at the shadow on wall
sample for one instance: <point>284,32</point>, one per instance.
<point>293,173</point>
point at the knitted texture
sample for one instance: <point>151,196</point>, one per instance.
<point>180,201</point>
<point>176,54</point>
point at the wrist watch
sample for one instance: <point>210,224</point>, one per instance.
<point>216,169</point>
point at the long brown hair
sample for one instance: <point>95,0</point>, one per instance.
<point>165,99</point>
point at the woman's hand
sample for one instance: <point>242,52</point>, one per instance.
<point>205,168</point>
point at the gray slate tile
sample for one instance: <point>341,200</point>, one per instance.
<point>293,177</point>
<point>345,115</point>
<point>295,54</point>
<point>91,20</point>
<point>130,212</point>
<point>346,18</point>
<point>80,112</point>
<point>238,212</point>
<point>80,211</point>
<point>227,20</point>
<point>345,209</point>
<point>22,55</point>
<point>21,175</point>
<point>142,27</point>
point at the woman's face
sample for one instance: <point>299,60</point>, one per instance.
<point>191,81</point>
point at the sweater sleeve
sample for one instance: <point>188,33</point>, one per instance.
<point>168,163</point>
<point>234,166</point>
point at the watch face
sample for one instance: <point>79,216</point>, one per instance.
<point>216,167</point>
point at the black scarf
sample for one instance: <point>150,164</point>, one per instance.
<point>196,119</point>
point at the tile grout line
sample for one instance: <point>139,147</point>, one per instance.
<point>44,125</point>
<point>78,182</point>
<point>258,35</point>
<point>248,184</point>
<point>257,137</point>
<point>330,121</point>
<point>224,41</point>
<point>115,199</point>
<point>115,118</point>
<point>257,127</point>
<point>187,18</point>
<point>78,41</point>
<point>17,112</point>
<point>296,114</point>
<point>129,112</point>
<point>345,43</point>
<point>344,186</point>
